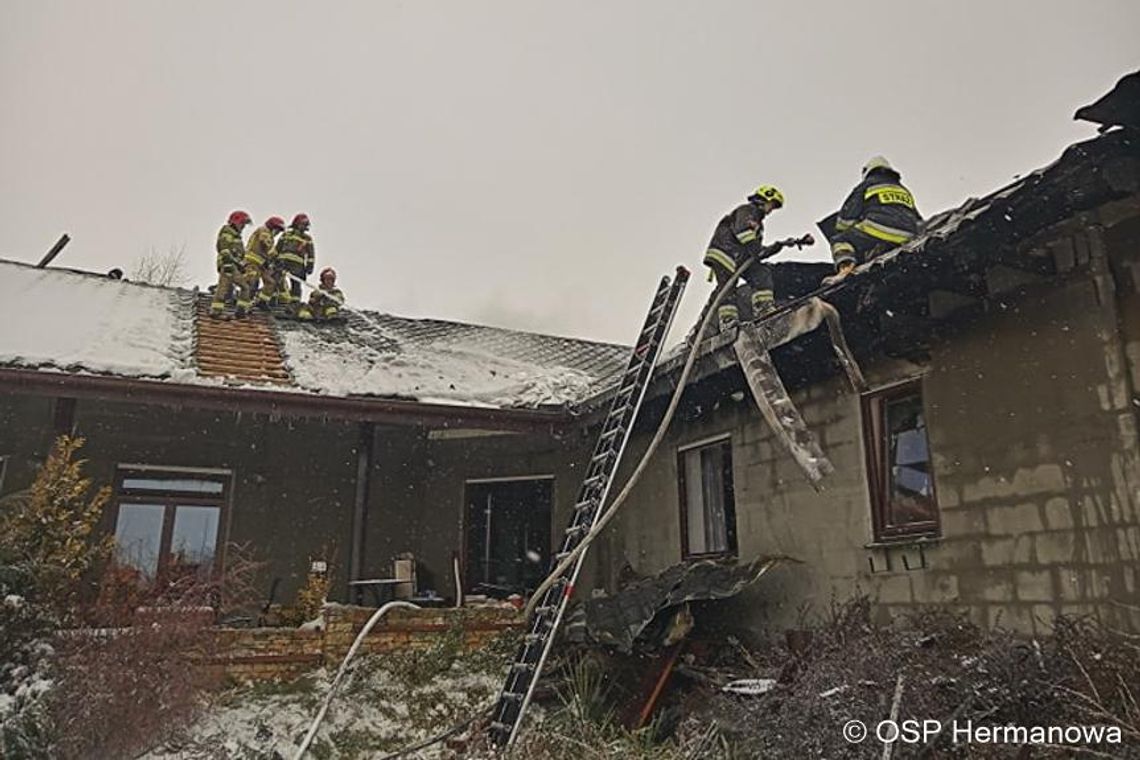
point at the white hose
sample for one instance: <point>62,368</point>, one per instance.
<point>568,560</point>
<point>730,284</point>
<point>372,621</point>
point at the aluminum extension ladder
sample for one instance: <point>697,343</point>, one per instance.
<point>536,644</point>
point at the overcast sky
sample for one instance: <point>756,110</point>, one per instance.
<point>535,165</point>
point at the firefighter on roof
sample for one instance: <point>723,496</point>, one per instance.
<point>877,216</point>
<point>297,255</point>
<point>738,236</point>
<point>261,262</point>
<point>326,300</point>
<point>230,254</point>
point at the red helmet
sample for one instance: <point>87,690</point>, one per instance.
<point>301,221</point>
<point>328,272</point>
<point>275,223</point>
<point>239,219</point>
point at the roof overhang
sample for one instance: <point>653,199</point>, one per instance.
<point>279,403</point>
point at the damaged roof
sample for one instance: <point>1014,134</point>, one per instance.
<point>1120,107</point>
<point>82,324</point>
<point>949,258</point>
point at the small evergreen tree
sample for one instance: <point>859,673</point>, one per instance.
<point>50,527</point>
<point>46,548</point>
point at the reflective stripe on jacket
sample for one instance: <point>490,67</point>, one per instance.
<point>737,235</point>
<point>295,250</point>
<point>881,207</point>
<point>260,249</point>
<point>229,247</point>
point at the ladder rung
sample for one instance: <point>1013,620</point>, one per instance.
<point>599,473</point>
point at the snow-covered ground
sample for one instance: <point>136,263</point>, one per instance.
<point>387,702</point>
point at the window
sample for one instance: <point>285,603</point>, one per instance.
<point>903,502</point>
<point>708,508</point>
<point>507,524</point>
<point>168,522</point>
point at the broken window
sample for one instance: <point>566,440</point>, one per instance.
<point>708,508</point>
<point>168,522</point>
<point>507,525</point>
<point>898,464</point>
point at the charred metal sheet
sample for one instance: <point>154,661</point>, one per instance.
<point>619,619</point>
<point>777,409</point>
<point>752,347</point>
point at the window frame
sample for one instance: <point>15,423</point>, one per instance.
<point>170,500</point>
<point>732,548</point>
<point>873,406</point>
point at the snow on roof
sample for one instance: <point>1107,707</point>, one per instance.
<point>377,354</point>
<point>79,322</point>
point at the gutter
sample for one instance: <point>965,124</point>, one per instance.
<point>278,403</point>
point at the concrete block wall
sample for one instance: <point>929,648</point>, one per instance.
<point>1029,419</point>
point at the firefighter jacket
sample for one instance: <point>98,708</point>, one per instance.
<point>230,248</point>
<point>881,207</point>
<point>260,251</point>
<point>326,302</point>
<point>736,236</point>
<point>296,252</point>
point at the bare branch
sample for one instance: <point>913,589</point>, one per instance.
<point>166,269</point>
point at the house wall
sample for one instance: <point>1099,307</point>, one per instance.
<point>417,499</point>
<point>293,480</point>
<point>25,438</point>
<point>1033,438</point>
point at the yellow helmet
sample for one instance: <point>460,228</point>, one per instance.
<point>769,193</point>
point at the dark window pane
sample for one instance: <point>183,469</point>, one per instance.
<point>508,535</point>
<point>188,485</point>
<point>910,488</point>
<point>138,537</point>
<point>195,537</point>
